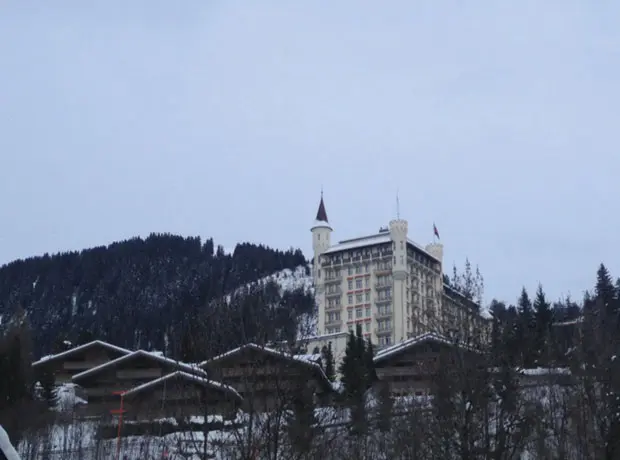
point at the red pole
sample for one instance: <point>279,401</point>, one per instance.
<point>120,412</point>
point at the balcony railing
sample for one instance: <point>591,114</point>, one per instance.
<point>383,331</point>
<point>332,322</point>
<point>383,313</point>
<point>383,285</point>
<point>334,279</point>
<point>333,293</point>
<point>384,300</point>
<point>329,307</point>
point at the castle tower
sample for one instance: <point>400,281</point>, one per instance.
<point>321,241</point>
<point>436,250</point>
<point>398,235</point>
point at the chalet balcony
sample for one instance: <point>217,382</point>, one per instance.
<point>383,271</point>
<point>333,307</point>
<point>383,285</point>
<point>383,301</point>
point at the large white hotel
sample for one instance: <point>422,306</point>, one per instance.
<point>386,283</point>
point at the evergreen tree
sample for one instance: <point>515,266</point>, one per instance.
<point>386,403</point>
<point>543,318</point>
<point>328,359</point>
<point>371,373</point>
<point>526,329</point>
<point>302,422</point>
<point>353,371</point>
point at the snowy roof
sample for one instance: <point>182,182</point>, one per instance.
<point>191,368</point>
<point>312,357</point>
<point>94,343</point>
<point>185,376</point>
<point>569,322</point>
<point>402,346</point>
<point>372,240</point>
<point>294,358</point>
<point>321,223</point>
<point>315,338</point>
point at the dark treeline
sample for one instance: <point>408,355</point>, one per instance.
<point>143,293</point>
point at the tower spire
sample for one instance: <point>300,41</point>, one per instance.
<point>321,215</point>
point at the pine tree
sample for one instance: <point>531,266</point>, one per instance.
<point>302,422</point>
<point>328,358</point>
<point>543,318</point>
<point>386,403</point>
<point>353,379</point>
<point>526,329</point>
<point>371,373</point>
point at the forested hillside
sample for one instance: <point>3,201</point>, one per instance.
<point>144,293</point>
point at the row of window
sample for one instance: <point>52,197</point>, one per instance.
<point>359,283</point>
<point>359,269</point>
<point>384,325</point>
<point>332,317</point>
<point>365,328</point>
<point>359,298</point>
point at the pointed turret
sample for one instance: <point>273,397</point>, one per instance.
<point>321,215</point>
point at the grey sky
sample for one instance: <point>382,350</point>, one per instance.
<point>223,119</point>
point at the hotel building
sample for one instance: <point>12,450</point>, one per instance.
<point>386,283</point>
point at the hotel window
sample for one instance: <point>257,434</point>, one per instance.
<point>350,312</point>
<point>350,299</point>
<point>367,282</point>
<point>358,269</point>
<point>367,311</point>
<point>368,297</point>
<point>402,246</point>
<point>366,268</point>
<point>350,284</point>
<point>358,313</point>
<point>350,270</point>
<point>358,298</point>
<point>367,326</point>
<point>358,284</point>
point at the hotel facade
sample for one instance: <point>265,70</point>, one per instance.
<point>390,286</point>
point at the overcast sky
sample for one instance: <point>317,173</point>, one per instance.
<point>498,122</point>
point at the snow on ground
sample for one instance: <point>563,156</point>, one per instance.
<point>287,280</point>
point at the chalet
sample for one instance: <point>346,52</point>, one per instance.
<point>410,367</point>
<point>180,395</point>
<point>66,364</point>
<point>267,378</point>
<point>103,384</point>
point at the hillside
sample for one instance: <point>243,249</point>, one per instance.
<point>147,293</point>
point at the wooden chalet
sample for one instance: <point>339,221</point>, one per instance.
<point>410,367</point>
<point>267,378</point>
<point>180,395</point>
<point>103,384</point>
<point>66,364</point>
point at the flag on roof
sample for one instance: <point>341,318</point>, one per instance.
<point>435,231</point>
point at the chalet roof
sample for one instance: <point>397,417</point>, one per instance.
<point>409,343</point>
<point>80,348</point>
<point>301,359</point>
<point>206,383</point>
<point>191,368</point>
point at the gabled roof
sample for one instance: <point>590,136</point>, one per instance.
<point>216,386</point>
<point>191,368</point>
<point>271,352</point>
<point>78,349</point>
<point>409,343</point>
